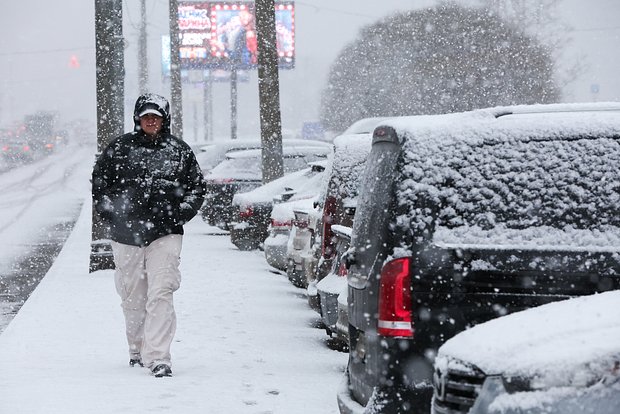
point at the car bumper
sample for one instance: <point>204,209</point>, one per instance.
<point>275,251</point>
<point>494,399</point>
<point>245,237</point>
<point>387,400</point>
<point>346,404</point>
<point>314,301</point>
<point>329,309</point>
<point>101,256</point>
<point>342,324</point>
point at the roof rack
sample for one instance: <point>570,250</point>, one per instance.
<point>559,108</point>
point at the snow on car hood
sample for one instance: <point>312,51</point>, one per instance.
<point>265,193</point>
<point>568,343</point>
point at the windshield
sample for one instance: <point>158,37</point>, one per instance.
<point>246,167</point>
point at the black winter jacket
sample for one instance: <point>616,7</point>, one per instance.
<point>146,189</point>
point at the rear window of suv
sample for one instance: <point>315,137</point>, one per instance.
<point>533,191</point>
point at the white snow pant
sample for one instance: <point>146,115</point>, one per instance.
<point>145,279</point>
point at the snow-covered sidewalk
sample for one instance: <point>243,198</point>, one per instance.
<point>244,344</point>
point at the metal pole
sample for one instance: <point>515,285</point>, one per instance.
<point>195,113</point>
<point>176,91</point>
<point>207,112</point>
<point>269,90</point>
<point>233,102</point>
<point>143,72</point>
<point>110,84</point>
<point>210,113</point>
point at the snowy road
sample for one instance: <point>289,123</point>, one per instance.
<point>40,202</point>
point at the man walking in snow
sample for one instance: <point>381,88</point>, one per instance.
<point>146,185</point>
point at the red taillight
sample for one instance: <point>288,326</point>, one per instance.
<point>49,146</point>
<point>221,180</point>
<point>26,148</point>
<point>280,224</point>
<point>327,246</point>
<point>247,213</point>
<point>395,318</point>
<point>342,270</point>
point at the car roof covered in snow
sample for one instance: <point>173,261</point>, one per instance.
<point>287,151</point>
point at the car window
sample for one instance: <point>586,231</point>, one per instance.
<point>532,192</point>
<point>291,164</point>
<point>208,159</point>
<point>238,166</point>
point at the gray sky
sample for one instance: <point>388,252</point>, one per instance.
<point>38,40</point>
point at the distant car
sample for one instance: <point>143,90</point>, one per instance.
<point>241,171</point>
<point>210,155</point>
<point>249,229</point>
<point>17,151</point>
<point>466,217</point>
<point>337,206</point>
<point>333,285</point>
<point>559,358</point>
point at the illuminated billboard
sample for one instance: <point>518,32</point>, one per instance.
<point>212,74</point>
<point>223,35</point>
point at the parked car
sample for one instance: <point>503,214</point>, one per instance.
<point>337,207</point>
<point>211,154</point>
<point>241,171</point>
<point>559,358</point>
<point>283,220</point>
<point>301,259</point>
<point>249,229</point>
<point>467,217</point>
<point>333,285</point>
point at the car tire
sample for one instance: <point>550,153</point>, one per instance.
<point>298,279</point>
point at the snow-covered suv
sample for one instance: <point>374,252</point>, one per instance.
<point>466,217</point>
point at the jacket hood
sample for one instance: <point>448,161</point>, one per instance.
<point>153,101</point>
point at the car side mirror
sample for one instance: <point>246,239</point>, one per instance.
<point>349,258</point>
